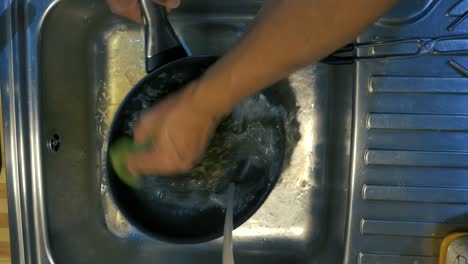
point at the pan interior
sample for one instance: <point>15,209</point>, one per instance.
<point>254,131</point>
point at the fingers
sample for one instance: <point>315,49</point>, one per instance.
<point>131,8</point>
<point>151,121</point>
<point>145,127</point>
<point>165,159</point>
<point>145,163</point>
<point>152,163</point>
<point>127,8</point>
<point>169,4</point>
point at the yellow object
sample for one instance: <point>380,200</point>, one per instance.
<point>446,243</point>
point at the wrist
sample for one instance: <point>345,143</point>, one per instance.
<point>216,91</point>
<point>205,99</point>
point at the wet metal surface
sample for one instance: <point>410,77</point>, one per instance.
<point>389,131</point>
<point>87,59</point>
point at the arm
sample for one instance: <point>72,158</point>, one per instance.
<point>286,35</point>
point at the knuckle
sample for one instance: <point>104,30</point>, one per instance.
<point>185,165</point>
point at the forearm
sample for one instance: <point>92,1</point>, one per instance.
<point>286,36</point>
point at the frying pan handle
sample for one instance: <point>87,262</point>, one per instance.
<point>161,43</point>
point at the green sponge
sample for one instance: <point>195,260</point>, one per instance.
<point>118,152</point>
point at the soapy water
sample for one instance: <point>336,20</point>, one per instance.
<point>253,132</point>
<point>102,110</point>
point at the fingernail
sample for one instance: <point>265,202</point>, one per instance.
<point>173,3</point>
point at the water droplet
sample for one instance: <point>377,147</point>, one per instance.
<point>108,34</point>
<point>122,28</point>
<point>103,188</point>
<point>162,195</point>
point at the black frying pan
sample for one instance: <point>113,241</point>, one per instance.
<point>189,208</point>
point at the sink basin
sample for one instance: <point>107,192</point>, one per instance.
<point>88,59</point>
<point>376,169</point>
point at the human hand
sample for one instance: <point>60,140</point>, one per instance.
<point>131,8</point>
<point>180,129</point>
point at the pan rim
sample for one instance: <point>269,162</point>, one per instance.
<point>238,220</point>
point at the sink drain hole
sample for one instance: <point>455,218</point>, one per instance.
<point>54,143</point>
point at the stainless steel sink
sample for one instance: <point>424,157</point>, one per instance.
<point>377,172</point>
<point>87,61</point>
